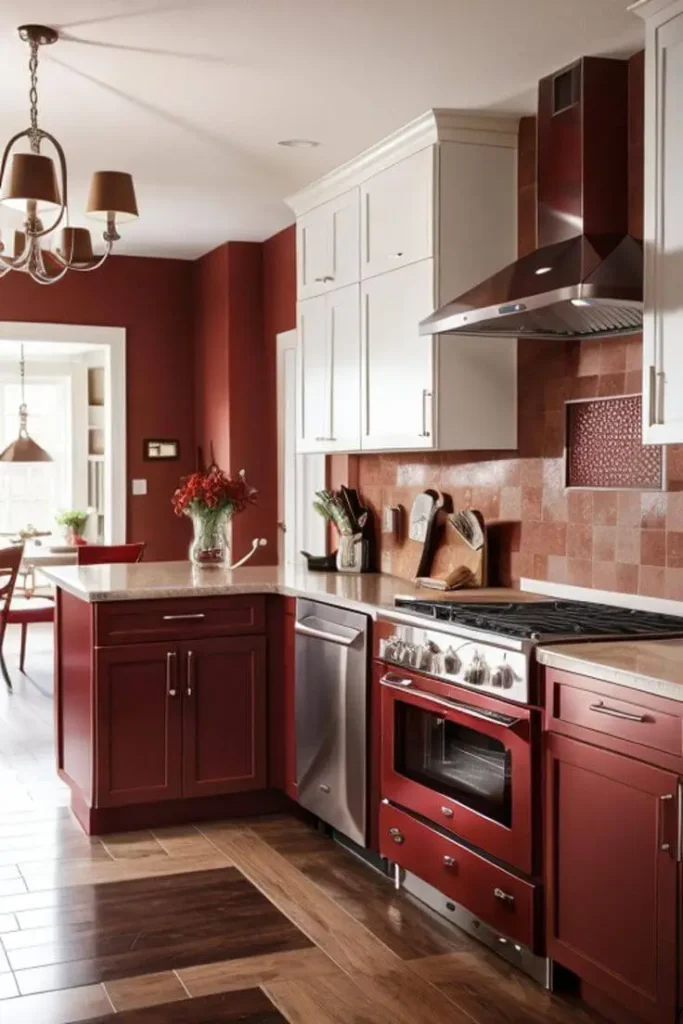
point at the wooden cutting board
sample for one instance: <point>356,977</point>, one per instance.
<point>414,557</point>
<point>453,553</point>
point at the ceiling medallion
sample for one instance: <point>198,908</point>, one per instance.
<point>29,183</point>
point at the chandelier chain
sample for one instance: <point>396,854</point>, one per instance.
<point>33,97</point>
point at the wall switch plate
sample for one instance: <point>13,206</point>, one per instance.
<point>138,487</point>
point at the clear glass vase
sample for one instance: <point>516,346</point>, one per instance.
<point>209,548</point>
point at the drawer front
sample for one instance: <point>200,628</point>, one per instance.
<point>505,902</point>
<point>127,622</point>
<point>648,725</point>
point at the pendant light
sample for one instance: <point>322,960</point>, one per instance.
<point>29,182</point>
<point>24,449</point>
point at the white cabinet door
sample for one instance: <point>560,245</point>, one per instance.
<point>397,214</point>
<point>396,363</point>
<point>327,246</point>
<point>663,320</point>
<point>343,327</point>
<point>313,398</point>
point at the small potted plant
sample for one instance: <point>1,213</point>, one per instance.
<point>74,523</point>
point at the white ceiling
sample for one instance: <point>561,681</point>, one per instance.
<point>192,96</point>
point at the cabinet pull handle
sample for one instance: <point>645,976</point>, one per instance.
<point>447,812</point>
<point>171,659</point>
<point>652,416</point>
<point>319,280</point>
<point>397,835</point>
<point>504,897</point>
<point>426,393</point>
<point>449,861</point>
<point>603,709</point>
<point>190,673</point>
<point>395,255</point>
<point>663,801</point>
<point>679,823</point>
<point>186,617</point>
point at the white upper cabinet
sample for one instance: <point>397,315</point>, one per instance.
<point>396,364</point>
<point>329,372</point>
<point>663,315</point>
<point>397,214</point>
<point>327,246</point>
<point>435,213</point>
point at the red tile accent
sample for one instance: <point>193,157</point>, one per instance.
<point>604,543</point>
<point>653,510</point>
<point>604,443</point>
<point>532,504</point>
<point>674,584</point>
<point>612,355</point>
<point>674,550</point>
<point>605,508</point>
<point>652,581</point>
<point>580,506</point>
<point>628,545</point>
<point>653,547</point>
<point>579,572</point>
<point>557,569</point>
<point>628,508</point>
<point>579,541</point>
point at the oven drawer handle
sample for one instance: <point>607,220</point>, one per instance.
<point>451,705</point>
<point>323,634</point>
<point>504,897</point>
<point>604,709</point>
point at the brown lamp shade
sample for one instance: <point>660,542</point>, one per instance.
<point>76,245</point>
<point>112,192</point>
<point>24,449</point>
<point>30,176</point>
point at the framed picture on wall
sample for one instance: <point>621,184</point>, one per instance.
<point>160,449</point>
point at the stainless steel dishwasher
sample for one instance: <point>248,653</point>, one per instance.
<point>331,715</point>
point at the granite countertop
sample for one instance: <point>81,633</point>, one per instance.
<point>367,592</point>
<point>653,666</point>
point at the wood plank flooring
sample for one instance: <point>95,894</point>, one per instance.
<point>259,921</point>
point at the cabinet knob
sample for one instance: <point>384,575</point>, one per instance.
<point>449,861</point>
<point>447,812</point>
<point>397,835</point>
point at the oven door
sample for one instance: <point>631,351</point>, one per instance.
<point>464,761</point>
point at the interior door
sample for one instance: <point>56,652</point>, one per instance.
<point>396,362</point>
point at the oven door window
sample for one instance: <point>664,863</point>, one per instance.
<point>461,763</point>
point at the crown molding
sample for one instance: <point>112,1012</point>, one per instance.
<point>651,8</point>
<point>438,125</point>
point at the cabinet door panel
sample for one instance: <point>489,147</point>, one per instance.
<point>396,363</point>
<point>343,325</point>
<point>663,320</point>
<point>138,725</point>
<point>327,246</point>
<point>313,372</point>
<point>611,884</point>
<point>397,214</point>
<point>224,716</point>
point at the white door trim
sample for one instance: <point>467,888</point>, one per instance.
<point>113,340</point>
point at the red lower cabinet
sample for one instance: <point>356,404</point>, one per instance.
<point>180,720</point>
<point>224,716</point>
<point>138,725</point>
<point>612,875</point>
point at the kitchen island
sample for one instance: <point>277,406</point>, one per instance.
<point>175,686</point>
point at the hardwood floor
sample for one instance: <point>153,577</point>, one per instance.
<point>259,921</point>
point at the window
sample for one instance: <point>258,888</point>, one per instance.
<point>33,493</point>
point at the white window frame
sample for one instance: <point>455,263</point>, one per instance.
<point>113,342</point>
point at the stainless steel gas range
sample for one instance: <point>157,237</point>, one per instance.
<point>461,765</point>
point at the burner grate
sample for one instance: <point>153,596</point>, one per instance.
<point>533,620</point>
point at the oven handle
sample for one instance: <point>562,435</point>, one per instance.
<point>392,683</point>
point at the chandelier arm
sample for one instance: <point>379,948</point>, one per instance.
<point>85,268</point>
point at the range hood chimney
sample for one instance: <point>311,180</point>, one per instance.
<point>586,278</point>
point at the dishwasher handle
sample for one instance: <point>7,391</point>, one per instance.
<point>328,633</point>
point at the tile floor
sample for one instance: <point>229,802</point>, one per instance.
<point>258,921</point>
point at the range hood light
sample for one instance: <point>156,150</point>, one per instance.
<point>543,270</point>
<point>580,302</point>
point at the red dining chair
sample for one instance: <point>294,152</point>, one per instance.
<point>109,554</point>
<point>10,560</point>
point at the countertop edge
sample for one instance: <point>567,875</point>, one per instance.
<point>608,673</point>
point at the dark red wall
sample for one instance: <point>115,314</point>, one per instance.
<point>152,299</point>
<point>245,294</point>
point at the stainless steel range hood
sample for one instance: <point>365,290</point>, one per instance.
<point>586,280</point>
<point>593,288</point>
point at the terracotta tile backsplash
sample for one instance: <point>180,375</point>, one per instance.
<point>629,541</point>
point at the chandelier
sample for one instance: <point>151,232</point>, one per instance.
<point>29,183</point>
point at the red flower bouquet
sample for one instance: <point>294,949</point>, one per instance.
<point>211,499</point>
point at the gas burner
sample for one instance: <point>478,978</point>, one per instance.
<point>546,620</point>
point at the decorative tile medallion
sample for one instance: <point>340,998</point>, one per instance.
<point>604,446</point>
